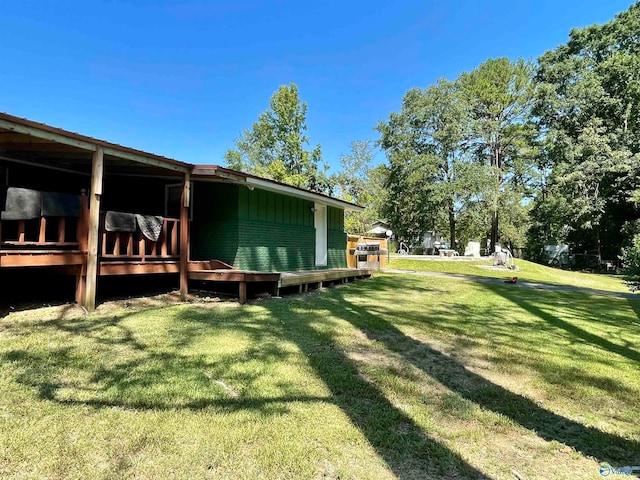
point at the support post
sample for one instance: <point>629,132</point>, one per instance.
<point>81,284</point>
<point>94,226</point>
<point>184,236</point>
<point>242,292</point>
<point>82,234</point>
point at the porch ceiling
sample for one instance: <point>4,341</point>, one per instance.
<point>37,144</point>
<point>24,148</point>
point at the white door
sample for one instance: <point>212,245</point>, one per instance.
<point>320,212</point>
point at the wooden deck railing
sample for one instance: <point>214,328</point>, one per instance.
<point>47,233</point>
<point>135,246</point>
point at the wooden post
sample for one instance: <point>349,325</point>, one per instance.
<point>20,231</point>
<point>142,248</point>
<point>164,238</point>
<point>82,234</point>
<point>174,238</point>
<point>184,235</point>
<point>242,292</point>
<point>61,229</point>
<point>81,284</point>
<point>42,237</point>
<point>94,232</point>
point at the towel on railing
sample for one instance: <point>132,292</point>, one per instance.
<point>22,204</point>
<point>150,226</point>
<point>119,222</point>
<point>60,205</point>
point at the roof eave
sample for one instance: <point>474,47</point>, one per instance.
<point>58,135</point>
<point>252,181</point>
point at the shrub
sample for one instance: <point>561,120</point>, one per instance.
<point>631,263</point>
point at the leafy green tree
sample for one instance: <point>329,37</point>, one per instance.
<point>500,95</point>
<point>275,146</point>
<point>630,258</point>
<point>424,147</point>
<point>405,204</point>
<point>589,105</point>
<point>353,184</point>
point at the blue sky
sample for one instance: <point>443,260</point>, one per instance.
<point>184,78</point>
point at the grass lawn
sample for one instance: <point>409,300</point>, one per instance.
<point>399,376</point>
<point>527,271</point>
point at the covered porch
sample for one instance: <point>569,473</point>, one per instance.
<point>77,205</point>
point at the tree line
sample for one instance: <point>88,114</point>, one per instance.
<point>513,152</point>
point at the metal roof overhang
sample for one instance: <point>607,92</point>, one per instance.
<point>32,141</point>
<point>305,194</point>
<point>215,172</point>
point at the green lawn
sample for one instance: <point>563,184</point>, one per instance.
<point>399,376</point>
<point>527,271</point>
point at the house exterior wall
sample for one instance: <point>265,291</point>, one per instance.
<point>337,238</point>
<point>260,230</point>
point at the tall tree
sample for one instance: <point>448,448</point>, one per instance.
<point>353,184</point>
<point>589,105</point>
<point>424,144</point>
<point>500,95</point>
<point>275,145</point>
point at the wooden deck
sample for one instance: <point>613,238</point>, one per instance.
<point>277,280</point>
<point>47,242</point>
<point>306,277</point>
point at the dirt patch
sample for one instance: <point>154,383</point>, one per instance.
<point>71,310</point>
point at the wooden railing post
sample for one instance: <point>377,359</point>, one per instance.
<point>62,225</point>
<point>184,235</point>
<point>42,237</point>
<point>164,238</point>
<point>20,231</point>
<point>94,228</point>
<point>83,223</point>
<point>174,238</point>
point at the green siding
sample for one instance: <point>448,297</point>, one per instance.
<point>214,228</point>
<point>336,239</point>
<point>260,230</point>
<point>273,247</point>
<point>215,240</point>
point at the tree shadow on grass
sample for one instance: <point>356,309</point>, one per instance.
<point>407,450</point>
<point>471,386</point>
<point>635,306</point>
<point>524,302</point>
<point>150,378</point>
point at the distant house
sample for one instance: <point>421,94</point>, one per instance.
<point>379,229</point>
<point>90,208</point>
